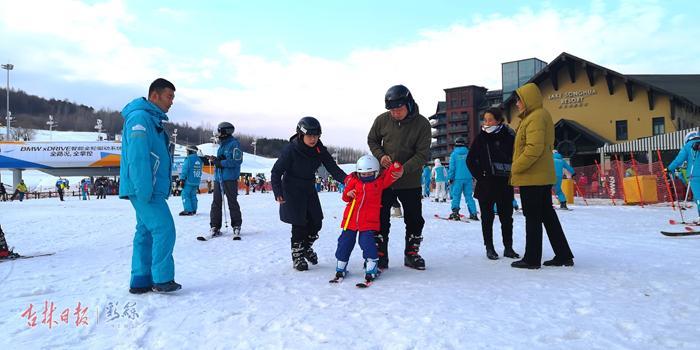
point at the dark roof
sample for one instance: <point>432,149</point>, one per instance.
<point>560,62</point>
<point>686,85</point>
<point>582,130</point>
<point>441,107</point>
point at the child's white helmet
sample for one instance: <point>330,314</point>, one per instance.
<point>366,164</point>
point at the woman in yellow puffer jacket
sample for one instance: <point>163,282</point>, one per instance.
<point>533,171</point>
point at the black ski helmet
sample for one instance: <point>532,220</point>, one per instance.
<point>397,96</point>
<point>460,142</point>
<point>225,129</point>
<point>308,126</point>
<point>192,149</point>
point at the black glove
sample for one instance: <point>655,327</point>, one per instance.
<point>182,183</point>
<point>696,146</point>
<point>217,163</point>
<point>221,157</point>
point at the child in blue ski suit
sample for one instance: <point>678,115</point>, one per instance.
<point>190,177</point>
<point>559,165</point>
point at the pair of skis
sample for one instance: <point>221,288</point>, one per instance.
<point>364,284</point>
<point>689,230</point>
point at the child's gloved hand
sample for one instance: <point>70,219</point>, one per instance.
<point>397,174</point>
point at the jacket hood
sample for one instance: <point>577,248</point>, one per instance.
<point>531,97</point>
<point>437,162</point>
<point>142,104</point>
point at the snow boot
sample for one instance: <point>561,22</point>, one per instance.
<point>473,217</point>
<point>562,205</point>
<point>215,232</point>
<point>139,290</point>
<point>559,262</point>
<point>186,213</point>
<point>455,214</point>
<point>167,287</point>
<point>236,233</point>
<point>298,260</point>
<point>510,253</point>
<point>522,264</point>
<point>491,253</point>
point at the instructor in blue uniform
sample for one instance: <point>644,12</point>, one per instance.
<point>145,181</point>
<point>559,165</point>
<point>190,177</point>
<point>461,180</point>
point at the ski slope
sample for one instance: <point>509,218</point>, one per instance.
<point>631,288</point>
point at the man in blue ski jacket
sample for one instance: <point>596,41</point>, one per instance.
<point>425,181</point>
<point>190,177</point>
<point>144,173</point>
<point>559,165</point>
<point>690,153</point>
<point>461,180</point>
<point>226,173</point>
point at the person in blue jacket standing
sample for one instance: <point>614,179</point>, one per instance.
<point>227,170</point>
<point>190,177</point>
<point>559,165</point>
<point>425,181</point>
<point>690,153</point>
<point>145,169</point>
<point>461,180</point>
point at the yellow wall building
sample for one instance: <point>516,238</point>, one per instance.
<point>592,105</point>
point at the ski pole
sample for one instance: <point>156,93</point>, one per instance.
<point>668,188</point>
<point>347,221</point>
<point>579,192</point>
<point>675,190</point>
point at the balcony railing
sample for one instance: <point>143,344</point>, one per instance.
<point>438,132</point>
<point>459,118</point>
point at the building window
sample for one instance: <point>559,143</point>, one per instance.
<point>455,103</point>
<point>464,102</point>
<point>621,130</point>
<point>657,126</point>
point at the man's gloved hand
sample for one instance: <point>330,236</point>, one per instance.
<point>217,163</point>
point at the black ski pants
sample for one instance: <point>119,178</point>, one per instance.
<point>538,211</point>
<point>412,217</point>
<point>504,205</point>
<point>231,191</point>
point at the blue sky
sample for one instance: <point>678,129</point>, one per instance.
<point>262,66</point>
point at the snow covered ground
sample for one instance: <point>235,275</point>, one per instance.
<point>631,288</point>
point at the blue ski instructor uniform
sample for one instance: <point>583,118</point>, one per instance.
<point>145,181</point>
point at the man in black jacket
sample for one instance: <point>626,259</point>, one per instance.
<point>293,184</point>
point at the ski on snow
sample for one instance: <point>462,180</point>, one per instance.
<point>689,231</point>
<point>675,222</point>
<point>25,257</point>
<point>461,218</point>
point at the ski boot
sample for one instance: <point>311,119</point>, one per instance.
<point>298,260</point>
<point>491,253</point>
<point>414,261</point>
<point>215,232</point>
<point>473,217</point>
<point>510,253</point>
<point>311,256</point>
<point>8,254</point>
<point>455,214</point>
<point>236,233</point>
<point>372,268</point>
<point>562,205</point>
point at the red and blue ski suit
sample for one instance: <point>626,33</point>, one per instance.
<point>363,213</point>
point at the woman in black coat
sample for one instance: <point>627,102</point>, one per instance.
<point>293,184</point>
<point>489,162</point>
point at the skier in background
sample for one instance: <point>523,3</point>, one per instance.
<point>190,177</point>
<point>461,180</point>
<point>227,163</point>
<point>559,165</point>
<point>425,181</point>
<point>690,154</point>
<point>440,178</point>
